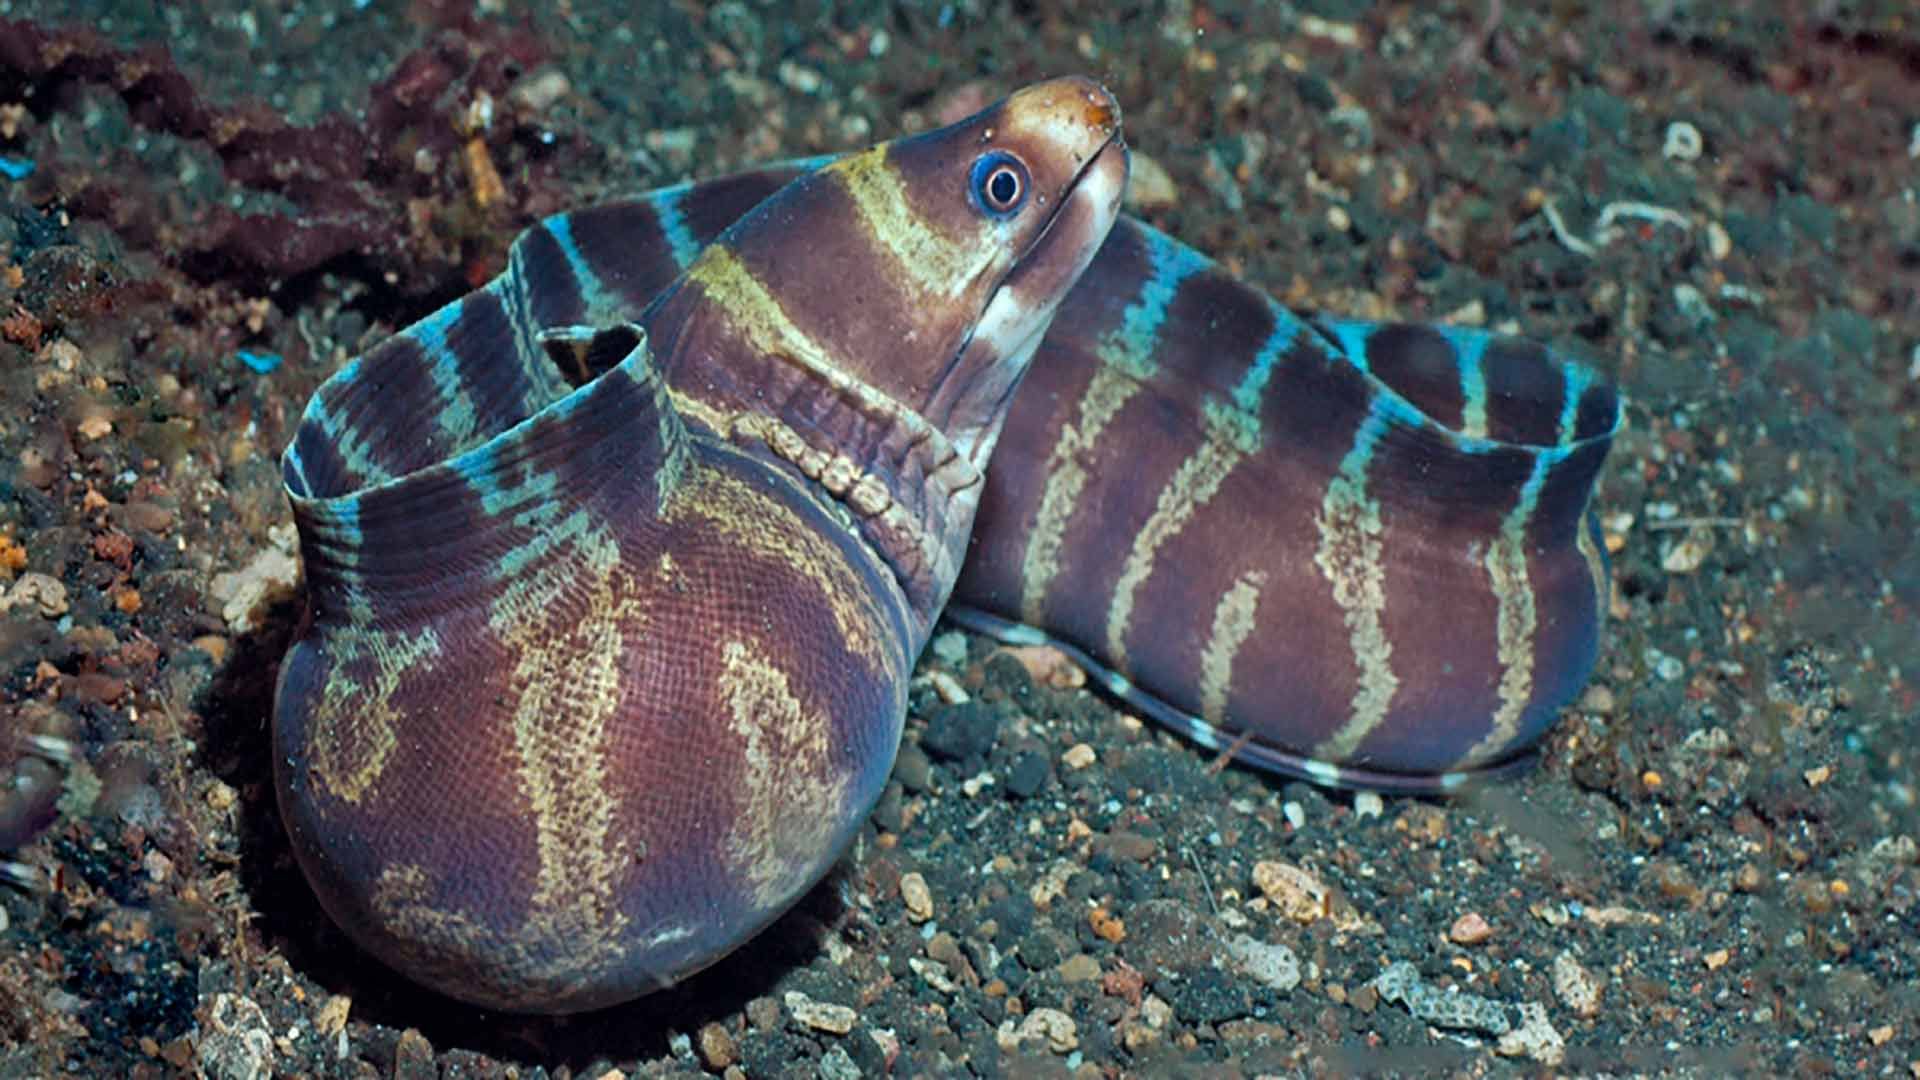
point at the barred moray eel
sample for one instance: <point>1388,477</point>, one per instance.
<point>614,587</point>
<point>1355,553</point>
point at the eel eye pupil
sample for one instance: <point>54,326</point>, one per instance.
<point>999,183</point>
<point>1003,187</point>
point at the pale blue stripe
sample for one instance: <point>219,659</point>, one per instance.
<point>1351,335</point>
<point>1253,385</point>
<point>1577,379</point>
<point>599,302</point>
<point>673,223</point>
<point>1133,345</point>
<point>1469,352</point>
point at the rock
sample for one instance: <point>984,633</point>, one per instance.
<point>1047,666</point>
<point>234,1041</point>
<point>1128,845</point>
<point>1297,894</point>
<point>913,770</point>
<point>1051,1027</point>
<point>716,1046</point>
<point>1028,775</point>
<point>837,1064</point>
<point>1149,185</point>
<point>1535,1038</point>
<point>1576,987</point>
<point>916,896</point>
<point>37,592</point>
<point>413,1057</point>
<point>1401,982</point>
<point>1470,929</point>
<point>962,733</point>
<point>239,595</point>
<point>1268,963</point>
<point>1079,968</point>
<point>820,1015</point>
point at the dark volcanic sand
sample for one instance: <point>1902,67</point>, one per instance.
<point>1713,871</point>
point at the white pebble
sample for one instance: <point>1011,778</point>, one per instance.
<point>1683,142</point>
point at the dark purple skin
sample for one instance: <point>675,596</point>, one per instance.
<point>1446,481</point>
<point>611,618</point>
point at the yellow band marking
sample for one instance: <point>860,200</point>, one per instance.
<point>354,725</point>
<point>757,316</point>
<point>1066,475</point>
<point>1232,624</point>
<point>566,622</point>
<point>716,419</point>
<point>791,795</point>
<point>1194,483</point>
<point>448,947</point>
<point>766,527</point>
<point>939,266</point>
<point>1515,621</point>
<point>1349,556</point>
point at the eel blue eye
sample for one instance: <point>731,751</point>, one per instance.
<point>999,183</point>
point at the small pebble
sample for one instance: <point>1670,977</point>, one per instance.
<point>540,91</point>
<point>944,948</point>
<point>820,1015</point>
<point>1269,963</point>
<point>1576,987</point>
<point>1297,894</point>
<point>1051,1027</point>
<point>935,974</point>
<point>413,1057</point>
<point>1078,756</point>
<point>715,1046</point>
<point>36,592</point>
<point>763,1013</point>
<point>1535,1038</point>
<point>916,896</point>
<point>1028,775</point>
<point>1047,666</point>
<point>333,1015</point>
<point>1079,968</point>
<point>837,1064</point>
<point>1469,929</point>
<point>1368,804</point>
<point>1683,142</point>
<point>913,769</point>
<point>950,648</point>
<point>958,733</point>
<point>1149,185</point>
<point>948,687</point>
<point>1686,556</point>
<point>1719,241</point>
<point>1131,846</point>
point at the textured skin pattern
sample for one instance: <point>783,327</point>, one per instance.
<point>613,602</point>
<point>1357,554</point>
<point>1354,553</point>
